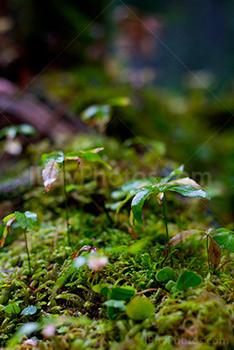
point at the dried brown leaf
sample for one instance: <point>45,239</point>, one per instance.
<point>214,252</point>
<point>181,236</point>
<point>50,174</point>
<point>84,248</point>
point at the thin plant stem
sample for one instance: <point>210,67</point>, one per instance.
<point>65,194</point>
<point>165,217</point>
<point>207,249</point>
<point>26,243</point>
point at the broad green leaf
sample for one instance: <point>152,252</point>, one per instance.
<point>138,202</point>
<point>140,308</point>
<point>116,293</point>
<point>12,309</point>
<point>187,191</point>
<point>50,173</point>
<point>122,293</point>
<point>30,310</point>
<point>188,279</point>
<point>31,219</point>
<point>137,184</point>
<point>175,172</point>
<point>225,239</point>
<point>58,156</point>
<point>21,219</point>
<point>165,274</point>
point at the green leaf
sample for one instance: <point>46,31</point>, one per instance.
<point>165,274</point>
<point>31,219</point>
<point>225,239</point>
<point>21,219</point>
<point>117,304</point>
<point>12,308</point>
<point>135,184</point>
<point>92,157</point>
<point>30,310</point>
<point>175,172</point>
<point>188,279</point>
<point>125,200</point>
<point>122,293</point>
<point>170,285</point>
<point>187,191</point>
<point>26,129</point>
<point>138,202</point>
<point>119,101</point>
<point>8,217</point>
<point>138,246</point>
<point>58,156</point>
<point>140,308</point>
<point>97,288</point>
<point>100,111</point>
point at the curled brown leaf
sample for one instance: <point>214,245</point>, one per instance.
<point>181,236</point>
<point>214,252</point>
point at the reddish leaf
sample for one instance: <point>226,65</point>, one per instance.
<point>50,174</point>
<point>214,252</point>
<point>6,231</point>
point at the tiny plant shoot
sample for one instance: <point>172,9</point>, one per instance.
<point>55,161</point>
<point>26,221</point>
<point>141,190</point>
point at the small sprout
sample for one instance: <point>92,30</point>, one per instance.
<point>12,308</point>
<point>53,163</point>
<point>142,190</point>
<point>26,221</point>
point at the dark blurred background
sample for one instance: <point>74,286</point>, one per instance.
<point>173,59</point>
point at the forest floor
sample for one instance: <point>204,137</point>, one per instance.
<point>112,297</point>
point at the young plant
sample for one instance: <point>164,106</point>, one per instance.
<point>12,144</point>
<point>55,161</point>
<point>26,221</point>
<point>100,115</point>
<point>141,190</point>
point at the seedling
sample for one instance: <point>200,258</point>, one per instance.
<point>12,144</point>
<point>55,161</point>
<point>141,190</point>
<point>26,221</point>
<point>100,115</point>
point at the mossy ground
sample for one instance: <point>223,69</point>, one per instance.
<point>200,318</point>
